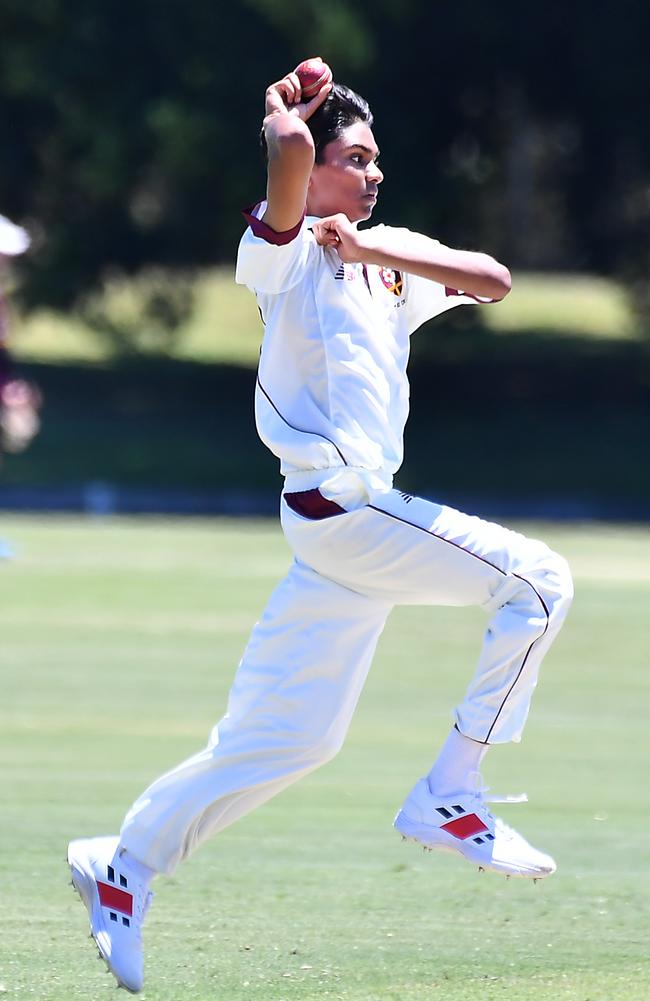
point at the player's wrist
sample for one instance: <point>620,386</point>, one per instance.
<point>369,248</point>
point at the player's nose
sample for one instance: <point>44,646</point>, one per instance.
<point>374,174</point>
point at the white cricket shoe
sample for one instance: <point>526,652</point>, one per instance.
<point>117,900</point>
<point>464,824</point>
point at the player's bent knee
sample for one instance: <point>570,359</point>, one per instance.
<point>323,749</point>
<point>557,585</point>
<point>562,571</point>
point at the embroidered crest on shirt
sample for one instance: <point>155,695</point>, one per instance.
<point>391,280</point>
<point>345,273</point>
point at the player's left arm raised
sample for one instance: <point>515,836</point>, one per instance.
<point>475,273</point>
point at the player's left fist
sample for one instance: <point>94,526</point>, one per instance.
<point>337,231</point>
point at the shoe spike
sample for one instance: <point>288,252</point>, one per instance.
<point>481,869</point>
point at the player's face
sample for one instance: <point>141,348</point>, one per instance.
<point>348,178</point>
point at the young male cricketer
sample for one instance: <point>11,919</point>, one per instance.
<point>339,305</point>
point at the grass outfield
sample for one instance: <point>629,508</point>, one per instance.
<point>119,641</point>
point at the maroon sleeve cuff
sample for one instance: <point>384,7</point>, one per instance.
<point>265,232</point>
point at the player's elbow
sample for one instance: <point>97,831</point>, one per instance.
<point>500,280</point>
<point>291,141</point>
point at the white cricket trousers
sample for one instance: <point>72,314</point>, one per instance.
<point>305,664</point>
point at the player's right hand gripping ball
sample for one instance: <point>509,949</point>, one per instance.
<point>313,74</point>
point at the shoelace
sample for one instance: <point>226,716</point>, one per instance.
<point>520,797</point>
<point>480,790</point>
<point>479,794</point>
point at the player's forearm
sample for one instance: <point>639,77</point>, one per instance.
<point>476,273</point>
<point>290,160</point>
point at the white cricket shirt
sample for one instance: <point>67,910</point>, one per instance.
<point>332,394</point>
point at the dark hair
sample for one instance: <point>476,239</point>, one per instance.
<point>342,107</point>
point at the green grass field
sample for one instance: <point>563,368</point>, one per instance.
<point>119,641</point>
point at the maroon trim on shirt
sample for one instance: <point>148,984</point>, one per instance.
<point>265,232</point>
<point>311,504</point>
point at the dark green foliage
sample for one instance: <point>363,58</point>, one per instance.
<point>130,128</point>
<point>146,312</point>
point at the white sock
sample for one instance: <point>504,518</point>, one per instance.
<point>141,870</point>
<point>459,758</point>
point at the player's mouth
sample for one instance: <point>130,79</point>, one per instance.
<point>371,196</point>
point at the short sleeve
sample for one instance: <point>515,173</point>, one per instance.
<point>426,299</point>
<point>272,262</point>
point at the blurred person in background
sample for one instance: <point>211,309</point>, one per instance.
<point>19,400</point>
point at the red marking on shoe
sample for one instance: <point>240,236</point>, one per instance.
<point>118,900</point>
<point>465,827</point>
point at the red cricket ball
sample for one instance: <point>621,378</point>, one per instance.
<point>313,74</point>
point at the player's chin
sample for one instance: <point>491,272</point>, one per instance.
<point>367,206</point>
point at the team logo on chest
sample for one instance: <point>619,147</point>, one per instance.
<point>391,280</point>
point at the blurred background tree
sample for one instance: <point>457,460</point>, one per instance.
<point>130,144</point>
<point>130,127</point>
